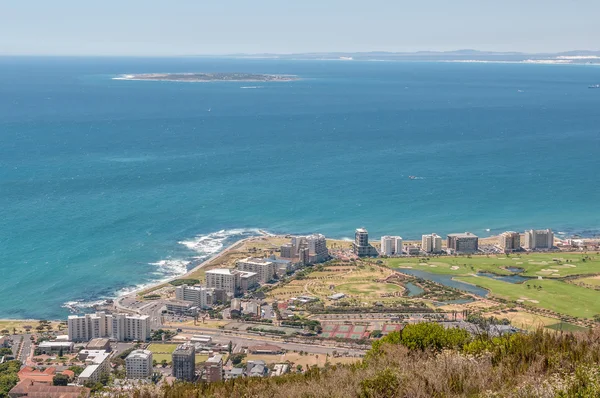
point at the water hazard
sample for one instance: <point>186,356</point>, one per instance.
<point>445,280</point>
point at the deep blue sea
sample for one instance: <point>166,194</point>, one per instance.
<point>107,184</point>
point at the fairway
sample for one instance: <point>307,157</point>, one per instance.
<point>590,280</point>
<point>549,265</point>
<point>558,296</point>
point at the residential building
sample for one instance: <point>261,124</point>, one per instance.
<point>56,347</point>
<point>201,296</point>
<point>122,327</point>
<point>361,246</point>
<point>98,364</point>
<point>387,246</point>
<point>138,364</point>
<point>261,266</point>
<point>412,250</point>
<point>233,373</point>
<point>32,388</point>
<point>509,241</point>
<point>538,239</point>
<point>431,243</point>
<point>309,249</point>
<point>463,243</point>
<point>213,369</point>
<point>391,245</point>
<point>256,368</point>
<point>181,307</point>
<point>184,362</point>
<point>232,281</point>
<point>280,369</point>
<point>99,344</point>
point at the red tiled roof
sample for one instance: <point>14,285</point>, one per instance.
<point>33,389</point>
<point>44,376</point>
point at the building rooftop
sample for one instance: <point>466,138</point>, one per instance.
<point>95,356</point>
<point>361,231</point>
<point>49,344</point>
<point>30,388</point>
<point>253,260</point>
<point>141,354</point>
<point>215,359</point>
<point>184,349</point>
<point>88,371</point>
<point>463,235</point>
<point>220,271</point>
<point>97,344</point>
<point>246,274</point>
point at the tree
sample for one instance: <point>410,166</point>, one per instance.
<point>60,380</point>
<point>4,331</point>
<point>5,351</point>
<point>163,363</point>
<point>230,347</point>
<point>76,370</point>
<point>299,368</point>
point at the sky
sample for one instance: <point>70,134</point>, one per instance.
<point>195,27</point>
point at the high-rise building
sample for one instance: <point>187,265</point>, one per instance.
<point>122,327</point>
<point>463,243</point>
<point>431,243</point>
<point>138,364</point>
<point>200,296</point>
<point>361,246</point>
<point>317,249</point>
<point>539,239</point>
<point>213,369</point>
<point>232,281</point>
<point>184,362</point>
<point>391,245</point>
<point>509,241</point>
<point>261,266</point>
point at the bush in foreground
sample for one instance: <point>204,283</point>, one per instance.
<point>426,360</point>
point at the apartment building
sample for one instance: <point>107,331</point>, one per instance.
<point>138,364</point>
<point>463,243</point>
<point>509,241</point>
<point>264,268</point>
<point>431,243</point>
<point>122,327</point>
<point>213,369</point>
<point>200,296</point>
<point>184,362</point>
<point>391,245</point>
<point>361,246</point>
<point>232,281</point>
<point>97,364</point>
<point>538,239</point>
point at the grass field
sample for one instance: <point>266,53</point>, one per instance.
<point>549,265</point>
<point>167,357</point>
<point>369,289</point>
<point>162,348</point>
<point>558,296</point>
<point>9,324</point>
<point>567,327</point>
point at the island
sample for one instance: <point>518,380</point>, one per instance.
<point>208,77</point>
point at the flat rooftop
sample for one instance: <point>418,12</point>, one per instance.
<point>463,235</point>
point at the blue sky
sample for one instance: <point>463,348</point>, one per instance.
<point>184,27</point>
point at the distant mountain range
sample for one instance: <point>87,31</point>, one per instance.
<point>467,55</point>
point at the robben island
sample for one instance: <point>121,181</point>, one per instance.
<point>287,303</point>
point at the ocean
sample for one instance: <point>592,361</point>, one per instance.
<point>107,185</point>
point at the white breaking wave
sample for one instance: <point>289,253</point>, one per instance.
<point>214,242</point>
<point>171,266</point>
<point>204,245</point>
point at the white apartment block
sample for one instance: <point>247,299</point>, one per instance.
<point>199,295</point>
<point>138,364</point>
<point>230,280</point>
<point>122,327</point>
<point>263,267</point>
<point>431,243</point>
<point>97,362</point>
<point>317,248</point>
<point>536,239</point>
<point>391,245</point>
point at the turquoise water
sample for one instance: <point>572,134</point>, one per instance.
<point>106,185</point>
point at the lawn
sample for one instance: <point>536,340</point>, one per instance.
<point>567,327</point>
<point>162,348</point>
<point>558,296</point>
<point>159,358</point>
<point>550,265</point>
<point>9,324</point>
<point>304,360</point>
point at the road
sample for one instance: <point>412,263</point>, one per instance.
<point>26,349</point>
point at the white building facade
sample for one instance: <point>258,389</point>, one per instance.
<point>122,327</point>
<point>431,243</point>
<point>538,239</point>
<point>138,364</point>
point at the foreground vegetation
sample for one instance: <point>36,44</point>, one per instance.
<point>426,360</point>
